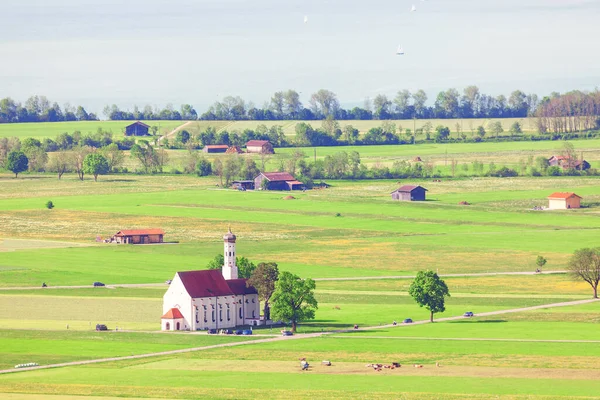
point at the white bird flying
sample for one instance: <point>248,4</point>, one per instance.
<point>413,8</point>
<point>400,51</point>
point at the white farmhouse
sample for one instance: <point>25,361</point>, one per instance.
<point>210,299</point>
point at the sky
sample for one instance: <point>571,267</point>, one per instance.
<point>127,52</point>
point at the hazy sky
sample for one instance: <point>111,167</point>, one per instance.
<point>95,52</point>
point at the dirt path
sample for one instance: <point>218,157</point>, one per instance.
<point>363,278</point>
<point>296,337</point>
<point>174,131</point>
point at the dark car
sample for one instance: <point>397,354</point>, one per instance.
<point>239,332</point>
<point>212,331</point>
<point>287,333</point>
<point>227,332</point>
<point>407,321</point>
<point>96,284</point>
<point>101,327</point>
<point>468,314</point>
<point>247,332</point>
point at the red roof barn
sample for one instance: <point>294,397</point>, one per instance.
<point>139,236</point>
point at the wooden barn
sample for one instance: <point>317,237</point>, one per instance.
<point>567,163</point>
<point>409,193</point>
<point>139,236</point>
<point>563,201</point>
<point>215,148</point>
<point>137,129</point>
<point>277,181</point>
<point>260,147</point>
<point>243,185</point>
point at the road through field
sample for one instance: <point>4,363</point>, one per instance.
<point>297,337</point>
<point>361,278</point>
<point>174,131</point>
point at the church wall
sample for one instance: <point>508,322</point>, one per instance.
<point>177,297</point>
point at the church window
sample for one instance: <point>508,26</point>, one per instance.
<point>241,316</point>
<point>213,315</point>
<point>197,315</point>
<point>220,315</point>
<point>253,314</point>
<point>253,300</point>
<point>205,320</point>
<point>228,316</point>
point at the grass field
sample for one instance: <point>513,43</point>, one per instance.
<point>51,129</point>
<point>520,355</point>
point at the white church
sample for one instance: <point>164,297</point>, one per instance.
<point>210,299</point>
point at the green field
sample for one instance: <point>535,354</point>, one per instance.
<point>546,353</point>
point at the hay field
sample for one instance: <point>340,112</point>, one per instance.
<point>42,130</point>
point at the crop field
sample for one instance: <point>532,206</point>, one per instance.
<point>51,129</point>
<point>362,249</point>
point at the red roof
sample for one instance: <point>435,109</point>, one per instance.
<point>294,182</point>
<point>205,283</point>
<point>238,286</point>
<point>136,232</point>
<point>259,143</point>
<point>408,188</point>
<point>173,313</point>
<point>278,176</point>
<point>563,195</point>
<point>216,146</point>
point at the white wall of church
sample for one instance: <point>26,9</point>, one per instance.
<point>177,297</point>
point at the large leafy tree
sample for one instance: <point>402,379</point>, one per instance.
<point>584,265</point>
<point>95,164</point>
<point>17,162</point>
<point>245,266</point>
<point>293,299</point>
<point>429,291</point>
<point>263,278</point>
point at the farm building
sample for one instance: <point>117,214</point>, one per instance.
<point>215,148</point>
<point>139,236</point>
<point>211,299</point>
<point>409,193</point>
<point>277,181</point>
<point>567,163</point>
<point>563,201</point>
<point>259,146</point>
<point>234,150</point>
<point>243,185</point>
<point>137,129</point>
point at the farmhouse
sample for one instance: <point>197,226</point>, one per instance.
<point>277,181</point>
<point>563,201</point>
<point>215,148</point>
<point>210,299</point>
<point>409,193</point>
<point>567,163</point>
<point>137,129</point>
<point>259,146</point>
<point>139,236</point>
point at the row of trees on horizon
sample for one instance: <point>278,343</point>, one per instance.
<point>286,105</point>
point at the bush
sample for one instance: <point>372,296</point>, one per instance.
<point>49,205</point>
<point>554,171</point>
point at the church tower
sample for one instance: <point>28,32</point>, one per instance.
<point>230,270</point>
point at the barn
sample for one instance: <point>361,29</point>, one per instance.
<point>277,181</point>
<point>137,129</point>
<point>564,201</point>
<point>409,193</point>
<point>215,148</point>
<point>139,236</point>
<point>260,147</point>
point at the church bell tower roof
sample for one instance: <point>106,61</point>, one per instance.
<point>229,236</point>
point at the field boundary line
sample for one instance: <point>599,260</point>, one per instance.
<point>366,278</point>
<point>473,339</point>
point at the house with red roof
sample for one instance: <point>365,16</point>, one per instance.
<point>139,236</point>
<point>259,146</point>
<point>211,299</point>
<point>564,201</point>
<point>277,181</point>
<point>409,193</point>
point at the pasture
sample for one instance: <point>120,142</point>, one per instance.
<point>547,353</point>
<point>42,130</point>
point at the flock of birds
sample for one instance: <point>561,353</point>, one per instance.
<point>400,51</point>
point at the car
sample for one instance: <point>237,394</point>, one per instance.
<point>101,327</point>
<point>287,333</point>
<point>468,314</point>
<point>239,332</point>
<point>227,332</point>
<point>168,281</point>
<point>212,332</point>
<point>407,321</point>
<point>96,284</point>
<point>247,332</point>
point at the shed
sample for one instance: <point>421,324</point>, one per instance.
<point>259,146</point>
<point>564,201</point>
<point>409,193</point>
<point>278,181</point>
<point>215,148</point>
<point>139,236</point>
<point>243,185</point>
<point>137,129</point>
<point>172,320</point>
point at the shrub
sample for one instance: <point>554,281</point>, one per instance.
<point>554,171</point>
<point>49,205</point>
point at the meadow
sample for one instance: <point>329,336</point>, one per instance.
<point>42,130</point>
<point>349,231</point>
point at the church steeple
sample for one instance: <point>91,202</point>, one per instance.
<point>230,270</point>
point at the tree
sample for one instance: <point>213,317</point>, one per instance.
<point>77,158</point>
<point>480,131</point>
<point>263,279</point>
<point>540,261</point>
<point>17,162</point>
<point>216,263</point>
<point>429,291</point>
<point>584,265</point>
<point>496,128</point>
<point>245,267</point>
<point>203,167</point>
<point>144,153</point>
<point>95,164</point>
<point>113,155</point>
<point>59,163</point>
<point>515,128</point>
<point>441,133</point>
<point>49,205</point>
<point>293,299</point>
